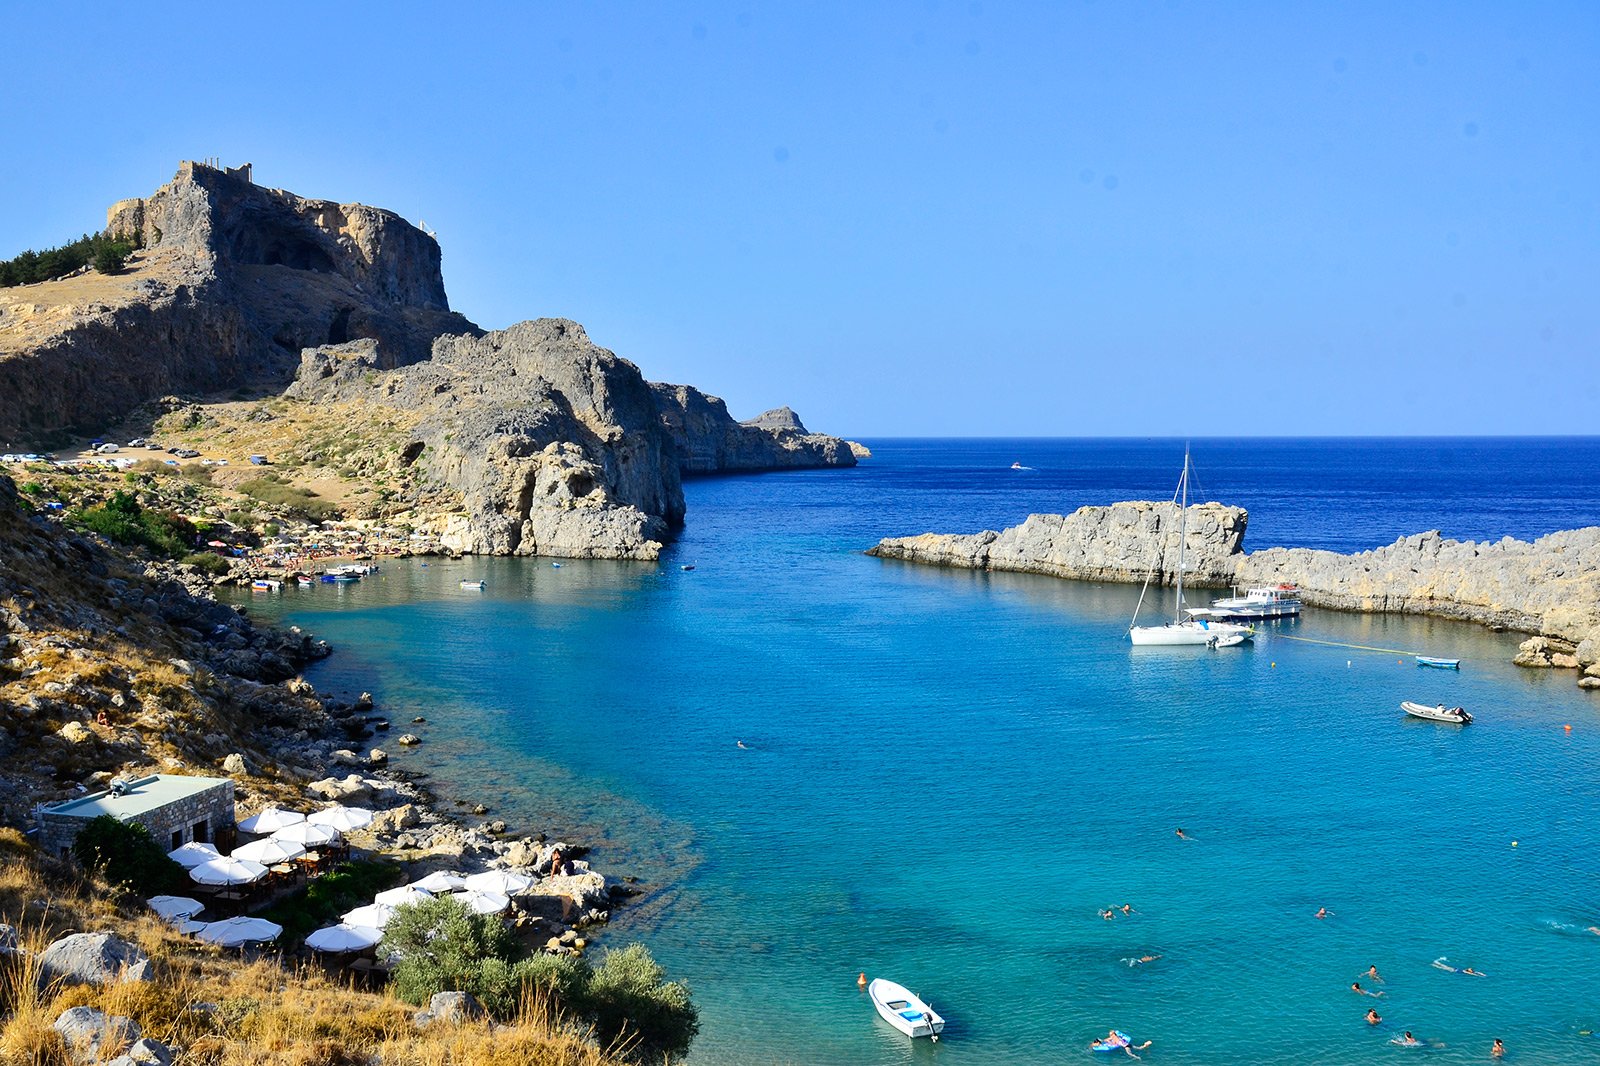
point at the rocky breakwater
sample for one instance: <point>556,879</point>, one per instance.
<point>233,281</point>
<point>554,445</point>
<point>1115,543</point>
<point>1549,587</point>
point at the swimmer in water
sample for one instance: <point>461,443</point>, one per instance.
<point>1355,986</point>
<point>1141,960</point>
<point>1182,835</point>
<point>741,744</point>
<point>1372,1017</point>
<point>1322,913</point>
<point>1595,929</point>
<point>1108,914</point>
<point>1372,972</point>
<point>1407,1041</point>
<point>1499,1049</point>
<point>1126,908</point>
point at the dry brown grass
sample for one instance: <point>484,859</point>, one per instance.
<point>224,1011</point>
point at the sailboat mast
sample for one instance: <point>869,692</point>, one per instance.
<point>1183,532</point>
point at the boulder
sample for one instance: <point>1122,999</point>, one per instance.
<point>523,853</point>
<point>377,757</point>
<point>93,959</point>
<point>404,816</point>
<point>75,733</point>
<point>234,764</point>
<point>93,1036</point>
<point>9,943</point>
<point>409,739</point>
<point>1589,682</point>
<point>145,1052</point>
<point>352,789</point>
<point>454,1007</point>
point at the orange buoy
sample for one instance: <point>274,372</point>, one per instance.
<point>861,982</point>
<point>1568,728</point>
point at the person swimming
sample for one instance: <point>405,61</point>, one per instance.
<point>1108,914</point>
<point>1126,908</point>
<point>1372,972</point>
<point>1323,912</point>
<point>1141,960</point>
<point>1407,1040</point>
<point>1355,986</point>
<point>742,744</point>
<point>1440,963</point>
<point>1372,1016</point>
<point>1499,1049</point>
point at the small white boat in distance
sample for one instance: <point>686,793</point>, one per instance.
<point>1442,664</point>
<point>1440,713</point>
<point>479,585</point>
<point>903,1010</point>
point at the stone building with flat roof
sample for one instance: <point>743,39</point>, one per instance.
<point>175,808</point>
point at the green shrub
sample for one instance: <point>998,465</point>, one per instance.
<point>215,565</point>
<point>29,267</point>
<point>271,489</point>
<point>443,946</point>
<point>121,519</point>
<point>33,488</point>
<point>109,258</point>
<point>124,853</point>
<point>627,998</point>
<point>343,888</point>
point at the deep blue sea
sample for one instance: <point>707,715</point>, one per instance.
<point>948,774</point>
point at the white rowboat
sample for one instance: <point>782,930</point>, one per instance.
<point>903,1010</point>
<point>1440,713</point>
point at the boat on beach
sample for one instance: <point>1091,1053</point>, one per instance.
<point>1438,713</point>
<point>1199,632</point>
<point>1438,664</point>
<point>903,1010</point>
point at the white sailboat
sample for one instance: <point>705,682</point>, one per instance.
<point>1181,630</point>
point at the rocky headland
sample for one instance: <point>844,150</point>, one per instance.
<point>332,320</point>
<point>1549,587</point>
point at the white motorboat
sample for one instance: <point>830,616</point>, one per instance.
<point>1264,601</point>
<point>903,1010</point>
<point>479,585</point>
<point>1438,713</point>
<point>1200,632</point>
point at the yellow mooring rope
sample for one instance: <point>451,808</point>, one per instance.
<point>1336,644</point>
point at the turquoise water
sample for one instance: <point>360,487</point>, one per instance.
<point>948,774</point>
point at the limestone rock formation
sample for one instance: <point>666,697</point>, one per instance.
<point>1115,543</point>
<point>233,282</point>
<point>711,442</point>
<point>1549,587</point>
<point>91,1036</point>
<point>554,445</point>
<point>93,959</point>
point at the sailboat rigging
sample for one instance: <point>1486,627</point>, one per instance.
<point>1182,630</point>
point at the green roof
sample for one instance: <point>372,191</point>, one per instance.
<point>141,796</point>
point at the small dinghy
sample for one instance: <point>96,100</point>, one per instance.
<point>1439,713</point>
<point>1226,640</point>
<point>903,1010</point>
<point>479,585</point>
<point>1440,664</point>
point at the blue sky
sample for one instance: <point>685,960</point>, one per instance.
<point>948,218</point>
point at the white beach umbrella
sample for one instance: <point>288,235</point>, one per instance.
<point>344,937</point>
<point>193,854</point>
<point>377,915</point>
<point>481,901</point>
<point>228,871</point>
<point>395,897</point>
<point>307,834</point>
<point>499,881</point>
<point>188,926</point>
<point>268,851</point>
<point>439,881</point>
<point>270,820</point>
<point>231,932</point>
<point>343,819</point>
<point>170,907</point>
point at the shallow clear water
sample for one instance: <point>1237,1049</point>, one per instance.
<point>949,773</point>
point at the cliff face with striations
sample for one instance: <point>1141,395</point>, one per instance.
<point>1549,587</point>
<point>233,282</point>
<point>554,445</point>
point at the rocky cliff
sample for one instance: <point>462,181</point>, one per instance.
<point>1549,587</point>
<point>233,282</point>
<point>554,445</point>
<point>1116,543</point>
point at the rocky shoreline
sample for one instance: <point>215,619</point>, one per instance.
<point>1549,587</point>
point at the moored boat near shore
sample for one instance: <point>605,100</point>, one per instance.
<point>1260,602</point>
<point>1440,664</point>
<point>904,1010</point>
<point>1437,713</point>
